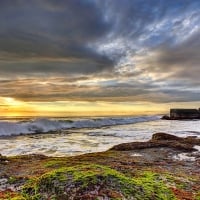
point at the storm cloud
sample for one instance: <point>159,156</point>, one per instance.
<point>182,59</point>
<point>44,36</point>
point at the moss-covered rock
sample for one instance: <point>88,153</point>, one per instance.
<point>10,195</point>
<point>198,196</point>
<point>95,182</point>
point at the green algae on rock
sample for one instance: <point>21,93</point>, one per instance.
<point>154,175</point>
<point>95,182</point>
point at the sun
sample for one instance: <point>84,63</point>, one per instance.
<point>12,102</point>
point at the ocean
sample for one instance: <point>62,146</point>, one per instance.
<point>75,136</point>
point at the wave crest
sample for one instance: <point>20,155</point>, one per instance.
<point>45,125</point>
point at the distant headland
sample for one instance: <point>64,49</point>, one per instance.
<point>182,113</point>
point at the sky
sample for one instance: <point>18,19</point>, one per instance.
<point>98,57</point>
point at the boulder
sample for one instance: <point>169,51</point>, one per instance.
<point>2,158</point>
<point>165,136</point>
<point>161,140</point>
<point>166,117</point>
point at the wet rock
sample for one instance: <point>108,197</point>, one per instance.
<point>193,140</point>
<point>161,140</point>
<point>165,136</point>
<point>166,117</point>
<point>2,158</point>
<point>152,144</point>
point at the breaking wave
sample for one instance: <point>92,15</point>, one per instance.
<point>8,128</point>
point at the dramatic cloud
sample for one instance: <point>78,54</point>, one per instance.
<point>182,59</point>
<point>100,50</point>
<point>44,36</point>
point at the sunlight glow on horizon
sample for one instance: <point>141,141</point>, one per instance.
<point>12,107</point>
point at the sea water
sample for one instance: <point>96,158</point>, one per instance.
<point>75,136</point>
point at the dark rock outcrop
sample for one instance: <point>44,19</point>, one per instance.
<point>161,140</point>
<point>165,117</point>
<point>184,114</point>
<point>181,114</point>
<point>2,158</point>
<point>165,136</point>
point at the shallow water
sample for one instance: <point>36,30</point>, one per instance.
<point>84,140</point>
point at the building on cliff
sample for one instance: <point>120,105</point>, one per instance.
<point>184,113</point>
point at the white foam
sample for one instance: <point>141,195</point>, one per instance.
<point>136,154</point>
<point>184,157</point>
<point>45,125</point>
<point>197,147</point>
<point>87,140</point>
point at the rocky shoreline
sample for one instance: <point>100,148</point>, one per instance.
<point>165,167</point>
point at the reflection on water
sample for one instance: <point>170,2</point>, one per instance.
<point>79,141</point>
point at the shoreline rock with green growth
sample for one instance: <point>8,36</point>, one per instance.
<point>141,171</point>
<point>95,182</point>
